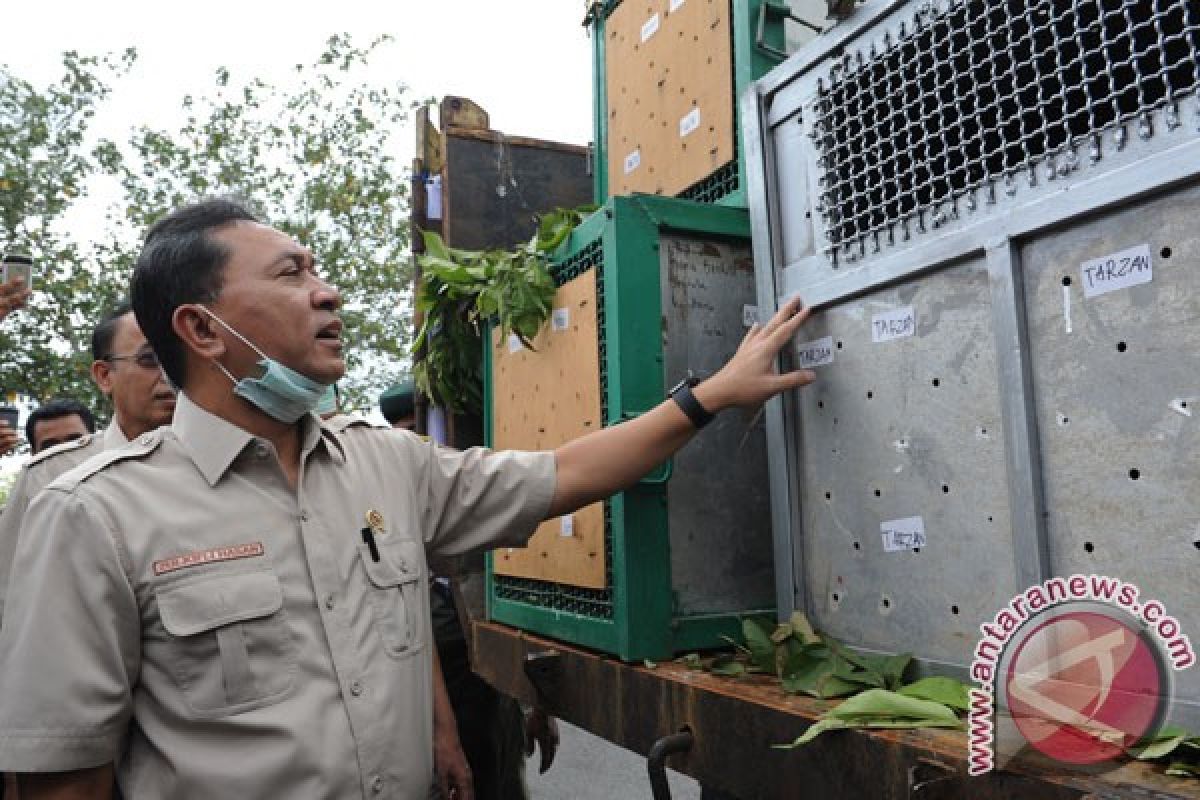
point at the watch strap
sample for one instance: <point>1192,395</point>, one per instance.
<point>687,402</point>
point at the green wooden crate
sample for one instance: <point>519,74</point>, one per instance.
<point>688,550</point>
<point>758,42</point>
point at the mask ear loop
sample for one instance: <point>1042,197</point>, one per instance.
<point>243,339</point>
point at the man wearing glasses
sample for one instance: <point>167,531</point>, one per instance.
<point>127,371</point>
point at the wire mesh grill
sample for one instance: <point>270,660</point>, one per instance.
<point>560,596</point>
<point>721,183</point>
<point>982,90</point>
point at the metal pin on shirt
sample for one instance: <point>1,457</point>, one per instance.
<point>374,528</point>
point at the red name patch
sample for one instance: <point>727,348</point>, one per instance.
<point>230,553</point>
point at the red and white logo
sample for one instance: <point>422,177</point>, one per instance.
<point>1082,685</point>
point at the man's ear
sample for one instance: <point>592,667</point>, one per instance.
<point>102,375</point>
<point>197,331</point>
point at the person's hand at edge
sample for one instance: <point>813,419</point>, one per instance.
<point>13,296</point>
<point>749,379</point>
<point>541,730</point>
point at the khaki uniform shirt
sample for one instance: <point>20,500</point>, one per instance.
<point>35,476</point>
<point>187,614</point>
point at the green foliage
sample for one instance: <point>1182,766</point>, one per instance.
<point>462,288</point>
<point>880,708</point>
<point>1179,748</point>
<point>946,691</point>
<point>6,485</point>
<point>314,159</point>
<point>45,170</point>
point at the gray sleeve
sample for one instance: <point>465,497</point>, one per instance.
<point>478,498</point>
<point>10,525</point>
<point>70,646</point>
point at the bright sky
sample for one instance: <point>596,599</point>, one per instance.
<point>528,63</point>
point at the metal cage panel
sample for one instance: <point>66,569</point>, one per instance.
<point>917,144</point>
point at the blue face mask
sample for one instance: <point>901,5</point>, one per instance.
<point>281,393</point>
<point>329,401</point>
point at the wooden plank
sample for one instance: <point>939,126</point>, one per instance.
<point>543,398</point>
<point>735,722</point>
<point>496,137</point>
<point>670,94</point>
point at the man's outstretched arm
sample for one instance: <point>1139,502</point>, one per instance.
<point>605,462</point>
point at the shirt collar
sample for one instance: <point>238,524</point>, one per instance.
<point>214,442</point>
<point>113,437</point>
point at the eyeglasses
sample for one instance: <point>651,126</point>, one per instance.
<point>146,359</point>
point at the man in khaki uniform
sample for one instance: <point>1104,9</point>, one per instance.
<point>236,606</point>
<point>127,371</point>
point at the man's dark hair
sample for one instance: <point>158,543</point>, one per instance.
<point>61,407</point>
<point>102,335</point>
<point>181,263</point>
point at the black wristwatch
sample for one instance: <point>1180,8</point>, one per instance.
<point>687,402</point>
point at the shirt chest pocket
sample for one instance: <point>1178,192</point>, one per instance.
<point>228,643</point>
<point>396,591</point>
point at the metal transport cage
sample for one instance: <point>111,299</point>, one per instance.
<point>995,204</point>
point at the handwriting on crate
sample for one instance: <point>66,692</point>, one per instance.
<point>1117,271</point>
<point>816,353</point>
<point>903,534</point>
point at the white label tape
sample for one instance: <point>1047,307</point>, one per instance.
<point>560,319</point>
<point>650,27</point>
<point>895,324</point>
<point>689,122</point>
<point>1117,271</point>
<point>903,534</point>
<point>676,5</point>
<point>514,343</point>
<point>633,161</point>
<point>749,315</point>
<point>567,527</point>
<point>816,353</point>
